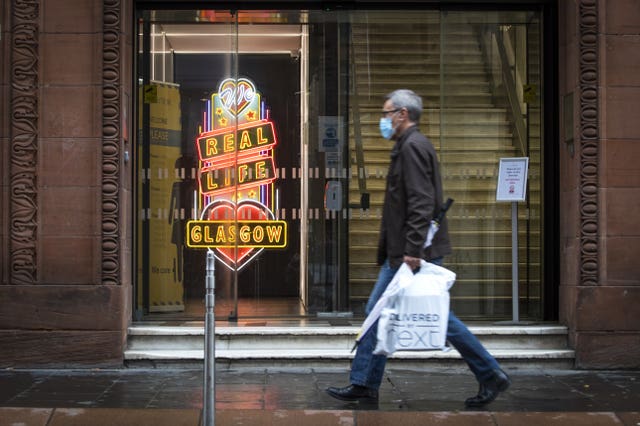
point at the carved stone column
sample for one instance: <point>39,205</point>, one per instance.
<point>23,220</point>
<point>111,94</point>
<point>589,141</point>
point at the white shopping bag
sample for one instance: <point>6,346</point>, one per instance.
<point>415,318</point>
<point>401,279</point>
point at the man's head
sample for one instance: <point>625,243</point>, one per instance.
<point>402,108</point>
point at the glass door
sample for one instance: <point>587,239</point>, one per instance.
<point>219,143</point>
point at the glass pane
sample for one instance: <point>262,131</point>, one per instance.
<point>325,160</point>
<point>491,110</point>
<point>204,64</point>
<point>389,50</point>
<point>159,261</point>
<point>263,118</point>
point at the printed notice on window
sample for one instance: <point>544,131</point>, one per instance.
<point>512,179</point>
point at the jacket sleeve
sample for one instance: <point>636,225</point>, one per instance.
<point>420,195</point>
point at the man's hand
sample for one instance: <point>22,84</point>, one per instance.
<point>413,262</point>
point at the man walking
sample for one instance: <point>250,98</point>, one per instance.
<point>413,196</point>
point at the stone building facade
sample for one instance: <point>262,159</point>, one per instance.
<point>66,223</point>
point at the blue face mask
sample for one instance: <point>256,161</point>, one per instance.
<point>386,128</point>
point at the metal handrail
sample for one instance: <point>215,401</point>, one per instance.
<point>357,134</point>
<point>512,95</point>
<point>509,83</point>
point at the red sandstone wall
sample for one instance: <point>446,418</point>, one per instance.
<point>602,313</point>
<point>68,316</point>
<point>61,311</point>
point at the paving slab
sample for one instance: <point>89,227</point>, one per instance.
<point>123,417</point>
<point>630,418</point>
<point>288,396</point>
<point>420,418</point>
<point>557,419</point>
<point>25,416</point>
<point>238,417</point>
<point>286,417</point>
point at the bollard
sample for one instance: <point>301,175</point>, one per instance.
<point>209,402</point>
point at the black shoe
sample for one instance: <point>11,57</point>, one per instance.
<point>490,389</point>
<point>354,393</point>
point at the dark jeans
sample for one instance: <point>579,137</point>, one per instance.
<point>367,369</point>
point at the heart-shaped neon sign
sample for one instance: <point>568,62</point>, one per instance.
<point>236,257</point>
<point>236,95</point>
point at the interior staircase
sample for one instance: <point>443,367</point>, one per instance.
<point>471,127</point>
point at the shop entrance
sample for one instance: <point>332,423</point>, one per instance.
<point>272,115</point>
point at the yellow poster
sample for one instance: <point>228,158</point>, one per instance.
<point>166,233</point>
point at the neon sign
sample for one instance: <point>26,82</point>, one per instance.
<point>236,177</point>
<point>236,95</point>
<point>242,176</point>
<point>244,234</point>
<point>219,144</point>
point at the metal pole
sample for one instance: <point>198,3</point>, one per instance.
<point>514,262</point>
<point>210,345</point>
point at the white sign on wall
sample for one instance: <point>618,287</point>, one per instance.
<point>330,133</point>
<point>512,179</point>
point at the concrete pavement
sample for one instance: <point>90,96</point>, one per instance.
<point>295,396</point>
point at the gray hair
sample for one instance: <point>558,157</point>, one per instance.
<point>405,98</point>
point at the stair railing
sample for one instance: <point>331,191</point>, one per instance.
<point>509,80</point>
<point>357,135</point>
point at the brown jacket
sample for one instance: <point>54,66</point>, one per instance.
<point>413,196</point>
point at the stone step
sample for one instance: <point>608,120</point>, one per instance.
<point>516,345</point>
<point>529,358</point>
<point>482,222</point>
<point>485,140</point>
<point>500,237</point>
<point>468,290</point>
<point>470,254</point>
<point>142,337</point>
<point>321,337</point>
<point>425,70</point>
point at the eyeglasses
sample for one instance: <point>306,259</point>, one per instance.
<point>391,111</point>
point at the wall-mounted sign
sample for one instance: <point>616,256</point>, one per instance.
<point>330,133</point>
<point>512,179</point>
<point>236,177</point>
